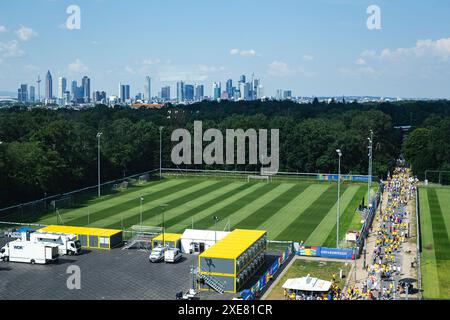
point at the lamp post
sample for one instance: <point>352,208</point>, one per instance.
<point>163,206</point>
<point>216,219</point>
<point>369,176</point>
<point>140,210</point>
<point>160,151</point>
<point>99,134</point>
<point>339,152</point>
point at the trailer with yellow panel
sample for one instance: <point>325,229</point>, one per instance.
<point>94,238</point>
<point>171,240</point>
<point>233,260</point>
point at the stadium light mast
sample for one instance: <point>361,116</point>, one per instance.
<point>99,134</point>
<point>160,150</point>
<point>369,176</point>
<point>140,209</point>
<point>163,206</point>
<point>216,219</point>
<point>339,152</point>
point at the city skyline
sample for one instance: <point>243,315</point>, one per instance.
<point>314,49</point>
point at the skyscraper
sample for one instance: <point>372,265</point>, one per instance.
<point>22,93</point>
<point>32,94</point>
<point>242,79</point>
<point>180,91</point>
<point>287,94</point>
<point>148,88</point>
<point>62,87</point>
<point>86,85</point>
<point>124,93</point>
<point>217,90</point>
<point>74,90</point>
<point>199,92</point>
<point>48,86</point>
<point>188,92</point>
<point>229,88</point>
<point>165,93</point>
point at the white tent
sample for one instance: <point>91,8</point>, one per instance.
<point>307,283</point>
<point>194,241</point>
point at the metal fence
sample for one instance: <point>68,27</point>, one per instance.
<point>419,246</point>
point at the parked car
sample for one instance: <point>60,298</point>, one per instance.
<point>172,255</point>
<point>157,254</point>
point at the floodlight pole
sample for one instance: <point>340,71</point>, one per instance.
<point>160,151</point>
<point>142,199</point>
<point>369,176</point>
<point>163,223</point>
<point>99,134</point>
<point>339,152</point>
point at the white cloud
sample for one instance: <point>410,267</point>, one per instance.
<point>130,70</point>
<point>308,57</point>
<point>3,29</point>
<point>25,33</point>
<point>77,67</point>
<point>360,61</point>
<point>243,53</point>
<point>424,48</point>
<point>11,49</point>
<point>151,61</point>
<point>279,68</point>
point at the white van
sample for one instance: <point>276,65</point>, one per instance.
<point>157,254</point>
<point>172,255</point>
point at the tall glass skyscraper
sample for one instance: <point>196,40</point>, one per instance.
<point>180,91</point>
<point>48,86</point>
<point>148,88</point>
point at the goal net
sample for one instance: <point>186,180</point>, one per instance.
<point>258,178</point>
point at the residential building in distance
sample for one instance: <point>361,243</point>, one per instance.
<point>99,97</point>
<point>287,94</point>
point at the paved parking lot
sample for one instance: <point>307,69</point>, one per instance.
<point>114,274</point>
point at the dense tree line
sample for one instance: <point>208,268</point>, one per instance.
<point>53,151</point>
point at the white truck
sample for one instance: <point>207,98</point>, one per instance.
<point>29,252</point>
<point>67,243</point>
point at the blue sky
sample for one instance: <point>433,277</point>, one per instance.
<point>320,47</point>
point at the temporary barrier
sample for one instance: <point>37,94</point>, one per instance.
<point>334,253</point>
<point>93,238</point>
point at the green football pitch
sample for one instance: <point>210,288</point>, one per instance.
<point>288,210</point>
<point>435,230</point>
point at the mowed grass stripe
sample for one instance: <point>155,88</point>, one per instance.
<point>236,187</point>
<point>109,202</point>
<point>430,276</point>
<point>225,212</point>
<point>124,206</point>
<point>302,227</point>
<point>440,235</point>
<point>186,223</point>
<point>443,195</point>
<point>194,200</point>
<point>256,218</point>
<point>236,219</point>
<point>172,201</point>
<point>325,229</point>
<point>168,195</point>
<point>282,219</point>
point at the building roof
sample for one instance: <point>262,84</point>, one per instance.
<point>234,244</point>
<point>81,230</point>
<point>205,235</point>
<point>168,237</point>
<point>307,283</point>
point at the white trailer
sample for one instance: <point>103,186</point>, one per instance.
<point>29,252</point>
<point>67,243</point>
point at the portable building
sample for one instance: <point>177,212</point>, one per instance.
<point>234,259</point>
<point>171,240</point>
<point>196,241</point>
<point>94,238</point>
